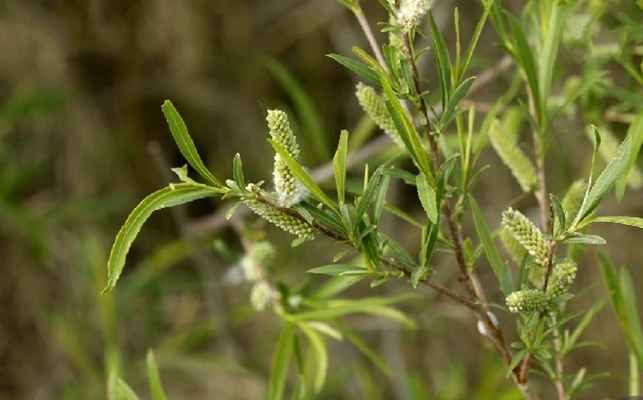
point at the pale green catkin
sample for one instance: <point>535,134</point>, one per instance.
<point>373,105</point>
<point>411,12</point>
<point>515,250</point>
<point>511,122</point>
<point>286,222</point>
<point>526,233</point>
<point>609,149</point>
<point>561,278</point>
<point>530,300</point>
<point>513,157</point>
<point>288,188</point>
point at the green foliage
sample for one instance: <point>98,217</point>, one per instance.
<point>430,129</point>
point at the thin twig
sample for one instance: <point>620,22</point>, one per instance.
<point>363,23</point>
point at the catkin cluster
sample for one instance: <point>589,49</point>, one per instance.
<point>535,300</point>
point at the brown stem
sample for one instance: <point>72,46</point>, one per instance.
<point>468,277</point>
<point>558,360</point>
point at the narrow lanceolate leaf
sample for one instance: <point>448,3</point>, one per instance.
<point>153,377</point>
<point>605,181</point>
<point>321,355</point>
<point>427,197</point>
<point>237,171</point>
<point>485,238</point>
<point>339,165</point>
<point>358,67</point>
<point>280,362</point>
<point>303,177</point>
<point>185,143</point>
<point>363,347</point>
<point>406,129</point>
<point>633,178</point>
<point>166,197</point>
<point>623,301</point>
<point>630,221</point>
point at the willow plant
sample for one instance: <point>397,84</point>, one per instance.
<point>430,125</point>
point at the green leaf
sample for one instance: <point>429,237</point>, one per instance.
<point>605,181</point>
<point>338,269</point>
<point>280,362</point>
<point>548,53</point>
<point>622,296</point>
<point>633,330</point>
<point>443,61</point>
<point>359,68</point>
<point>335,285</point>
<point>406,129</point>
<point>630,221</point>
<point>330,220</point>
<point>363,347</point>
<point>524,56</point>
<point>167,197</point>
<point>185,143</point>
<point>458,94</point>
<point>559,213</point>
<point>339,165</point>
<point>153,377</point>
<point>124,391</point>
<point>584,323</point>
<point>635,131</point>
<point>304,106</point>
<point>506,280</point>
<point>573,237</point>
<point>370,305</point>
<point>369,193</point>
<point>321,355</point>
<point>395,250</point>
<point>380,198</point>
<point>427,197</point>
<point>462,68</point>
<point>303,177</point>
<point>237,171</point>
<point>485,238</point>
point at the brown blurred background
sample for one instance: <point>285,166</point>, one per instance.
<point>81,85</point>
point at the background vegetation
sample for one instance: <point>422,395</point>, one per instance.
<point>83,139</point>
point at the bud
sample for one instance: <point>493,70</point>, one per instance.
<point>561,278</point>
<point>373,105</point>
<point>526,233</point>
<point>287,186</point>
<point>527,301</point>
<point>513,157</point>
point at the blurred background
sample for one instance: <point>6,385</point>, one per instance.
<point>83,139</point>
